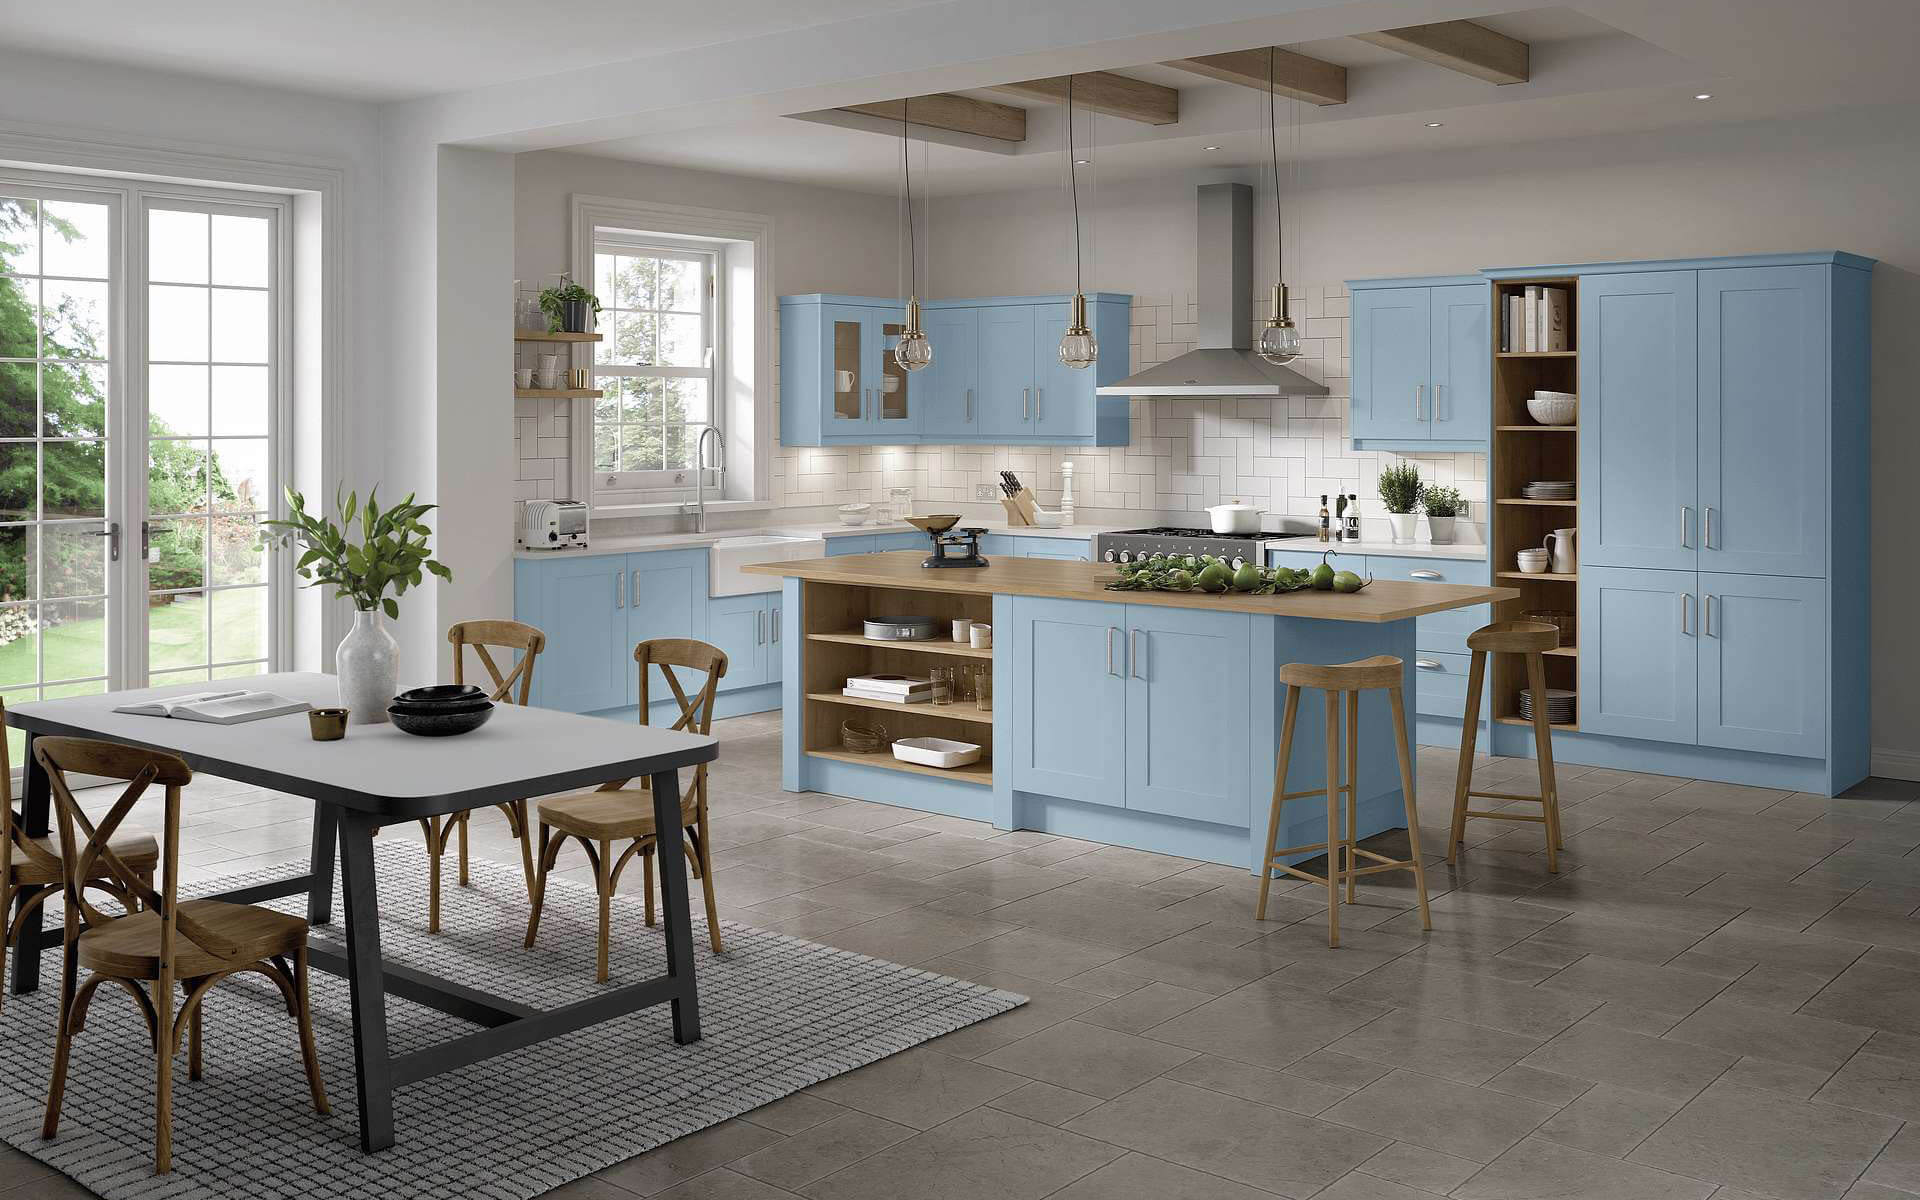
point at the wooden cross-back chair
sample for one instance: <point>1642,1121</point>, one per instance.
<point>480,635</point>
<point>622,810</point>
<point>30,867</point>
<point>195,943</point>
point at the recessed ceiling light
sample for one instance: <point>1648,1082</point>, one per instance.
<point>1209,147</point>
<point>1435,124</point>
<point>1703,95</point>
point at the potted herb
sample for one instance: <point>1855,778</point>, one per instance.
<point>389,552</point>
<point>1400,490</point>
<point>570,308</point>
<point>1443,504</point>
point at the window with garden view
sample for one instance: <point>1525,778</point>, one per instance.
<point>655,365</point>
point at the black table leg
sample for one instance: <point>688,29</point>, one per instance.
<point>35,809</point>
<point>326,831</point>
<point>373,1070</point>
<point>675,916</point>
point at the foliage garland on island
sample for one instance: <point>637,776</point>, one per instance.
<point>1206,573</point>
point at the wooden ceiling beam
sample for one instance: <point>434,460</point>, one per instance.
<point>956,114</point>
<point>1104,92</point>
<point>1294,75</point>
<point>1462,46</point>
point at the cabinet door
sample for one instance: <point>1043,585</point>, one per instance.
<point>588,663</point>
<point>1006,371</point>
<point>950,385</point>
<point>836,546</point>
<point>1063,549</point>
<point>849,382</point>
<point>1764,342</point>
<point>1187,718</point>
<point>1069,699</point>
<point>901,541</point>
<point>1639,646</point>
<point>895,409</point>
<point>667,598</point>
<point>738,625</point>
<point>1639,420</point>
<point>1393,363</point>
<point>1462,363</point>
<point>1062,395</point>
<point>1763,663</point>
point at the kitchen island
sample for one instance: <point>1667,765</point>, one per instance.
<point>1143,719</point>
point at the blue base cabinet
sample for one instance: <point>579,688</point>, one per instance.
<point>748,629</point>
<point>1422,364</point>
<point>1069,697</point>
<point>580,604</point>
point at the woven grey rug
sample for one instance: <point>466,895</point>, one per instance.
<point>777,1014</point>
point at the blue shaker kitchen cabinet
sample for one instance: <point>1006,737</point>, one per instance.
<point>1462,363</point>
<point>837,546</point>
<point>1006,370</point>
<point>1639,420</point>
<point>738,625</point>
<point>1188,679</point>
<point>1639,653</point>
<point>1057,412</point>
<point>836,371</point>
<point>949,387</point>
<point>1763,664</point>
<point>1063,549</point>
<point>1392,362</point>
<point>666,598</point>
<point>581,605</point>
<point>1069,699</point>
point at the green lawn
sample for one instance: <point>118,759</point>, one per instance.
<point>176,638</point>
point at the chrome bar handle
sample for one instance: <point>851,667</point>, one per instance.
<point>1686,613</point>
<point>1425,575</point>
<point>1133,654</point>
<point>1111,630</point>
<point>1026,404</point>
<point>1706,542</point>
<point>1439,394</point>
<point>1709,615</point>
<point>633,592</point>
<point>773,623</point>
<point>759,627</point>
<point>619,589</point>
<point>1040,404</point>
<point>969,404</point>
<point>1419,401</point>
<point>1686,525</point>
<point>1427,664</point>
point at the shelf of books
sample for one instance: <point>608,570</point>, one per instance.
<point>1535,349</point>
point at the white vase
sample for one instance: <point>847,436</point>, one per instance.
<point>368,663</point>
<point>1402,525</point>
<point>1440,530</point>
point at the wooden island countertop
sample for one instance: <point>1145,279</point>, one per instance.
<point>1382,600</point>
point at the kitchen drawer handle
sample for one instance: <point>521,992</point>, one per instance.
<point>1040,404</point>
<point>1133,648</point>
<point>1425,575</point>
<point>1686,524</point>
<point>1427,664</point>
<point>774,624</point>
<point>1111,630</point>
<point>619,589</point>
<point>1686,613</point>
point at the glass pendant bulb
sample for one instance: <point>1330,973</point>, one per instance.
<point>1279,341</point>
<point>913,351</point>
<point>1078,349</point>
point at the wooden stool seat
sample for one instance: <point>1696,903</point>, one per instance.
<point>1531,640</point>
<point>1382,672</point>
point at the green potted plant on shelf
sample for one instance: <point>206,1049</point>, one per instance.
<point>389,552</point>
<point>1400,490</point>
<point>570,308</point>
<point>1443,504</point>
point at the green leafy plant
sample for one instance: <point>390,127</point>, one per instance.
<point>391,551</point>
<point>1442,501</point>
<point>1400,487</point>
<point>554,301</point>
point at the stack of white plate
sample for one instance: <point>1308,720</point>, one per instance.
<point>1559,706</point>
<point>1548,489</point>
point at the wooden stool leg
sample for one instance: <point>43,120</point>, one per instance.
<point>1469,732</point>
<point>1405,754</point>
<point>1333,820</point>
<point>1543,753</point>
<point>1353,790</point>
<point>1279,792</point>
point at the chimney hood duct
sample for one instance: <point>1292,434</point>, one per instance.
<point>1224,364</point>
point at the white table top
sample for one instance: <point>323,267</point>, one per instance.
<point>520,752</point>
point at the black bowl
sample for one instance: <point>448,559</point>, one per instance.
<point>426,709</point>
<point>441,693</point>
<point>439,724</point>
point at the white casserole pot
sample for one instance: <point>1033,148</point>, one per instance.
<point>1236,518</point>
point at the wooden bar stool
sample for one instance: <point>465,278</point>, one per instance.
<point>1350,679</point>
<point>1531,639</point>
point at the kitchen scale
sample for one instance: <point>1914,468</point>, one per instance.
<point>951,547</point>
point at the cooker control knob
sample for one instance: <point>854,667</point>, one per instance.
<point>1113,556</point>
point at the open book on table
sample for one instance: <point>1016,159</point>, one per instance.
<point>218,708</point>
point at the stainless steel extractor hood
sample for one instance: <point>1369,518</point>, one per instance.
<point>1224,363</point>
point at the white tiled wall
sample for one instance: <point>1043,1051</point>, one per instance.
<point>1185,454</point>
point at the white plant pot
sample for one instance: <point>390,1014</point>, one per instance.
<point>1440,529</point>
<point>1403,525</point>
<point>368,664</point>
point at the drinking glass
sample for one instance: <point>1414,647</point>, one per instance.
<point>983,689</point>
<point>942,678</point>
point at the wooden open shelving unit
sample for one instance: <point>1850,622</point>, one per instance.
<point>834,649</point>
<point>541,335</point>
<point>556,393</point>
<point>1519,456</point>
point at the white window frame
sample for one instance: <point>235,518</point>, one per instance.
<point>673,479</point>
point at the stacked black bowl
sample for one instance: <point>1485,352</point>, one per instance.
<point>441,710</point>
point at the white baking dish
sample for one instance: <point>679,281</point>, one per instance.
<point>936,752</point>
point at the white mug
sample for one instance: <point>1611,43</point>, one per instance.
<point>523,377</point>
<point>548,380</point>
<point>962,630</point>
<point>1560,544</point>
<point>980,637</point>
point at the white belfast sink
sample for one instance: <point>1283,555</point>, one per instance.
<point>726,556</point>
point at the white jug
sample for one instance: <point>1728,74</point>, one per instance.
<point>1559,544</point>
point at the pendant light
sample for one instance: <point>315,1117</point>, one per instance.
<point>1279,341</point>
<point>1078,349</point>
<point>913,351</point>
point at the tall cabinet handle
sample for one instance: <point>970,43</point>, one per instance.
<point>1686,613</point>
<point>1419,401</point>
<point>1026,404</point>
<point>1133,654</point>
<point>1040,404</point>
<point>633,592</point>
<point>619,589</point>
<point>1709,620</point>
<point>1686,527</point>
<point>1439,395</point>
<point>1111,630</point>
<point>773,623</point>
<point>759,627</point>
<point>1706,541</point>
<point>969,404</point>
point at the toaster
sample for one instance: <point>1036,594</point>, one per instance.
<point>553,525</point>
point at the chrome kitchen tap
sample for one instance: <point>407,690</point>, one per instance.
<point>699,479</point>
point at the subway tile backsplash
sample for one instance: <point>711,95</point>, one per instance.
<point>1185,454</point>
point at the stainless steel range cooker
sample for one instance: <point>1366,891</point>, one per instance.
<point>1135,545</point>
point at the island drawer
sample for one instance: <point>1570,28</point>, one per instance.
<point>1442,631</point>
<point>1440,681</point>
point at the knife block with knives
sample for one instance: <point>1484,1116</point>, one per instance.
<point>1017,500</point>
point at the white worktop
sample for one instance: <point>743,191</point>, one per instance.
<point>1474,551</point>
<point>637,543</point>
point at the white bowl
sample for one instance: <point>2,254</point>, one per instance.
<point>1531,564</point>
<point>936,752</point>
<point>1553,408</point>
<point>854,514</point>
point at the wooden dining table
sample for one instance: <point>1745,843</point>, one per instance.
<point>379,776</point>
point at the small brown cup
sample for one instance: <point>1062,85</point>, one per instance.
<point>327,724</point>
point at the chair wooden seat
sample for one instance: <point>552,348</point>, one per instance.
<point>129,947</point>
<point>137,850</point>
<point>614,815</point>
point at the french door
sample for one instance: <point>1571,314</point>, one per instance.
<point>141,395</point>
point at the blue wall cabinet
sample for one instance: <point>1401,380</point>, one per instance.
<point>1006,370</point>
<point>839,383</point>
<point>949,388</point>
<point>1422,364</point>
<point>1069,699</point>
<point>1188,676</point>
<point>1764,346</point>
<point>1639,420</point>
<point>1055,384</point>
<point>581,605</point>
<point>1763,664</point>
<point>1639,650</point>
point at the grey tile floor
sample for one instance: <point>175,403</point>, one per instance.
<point>1717,996</point>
